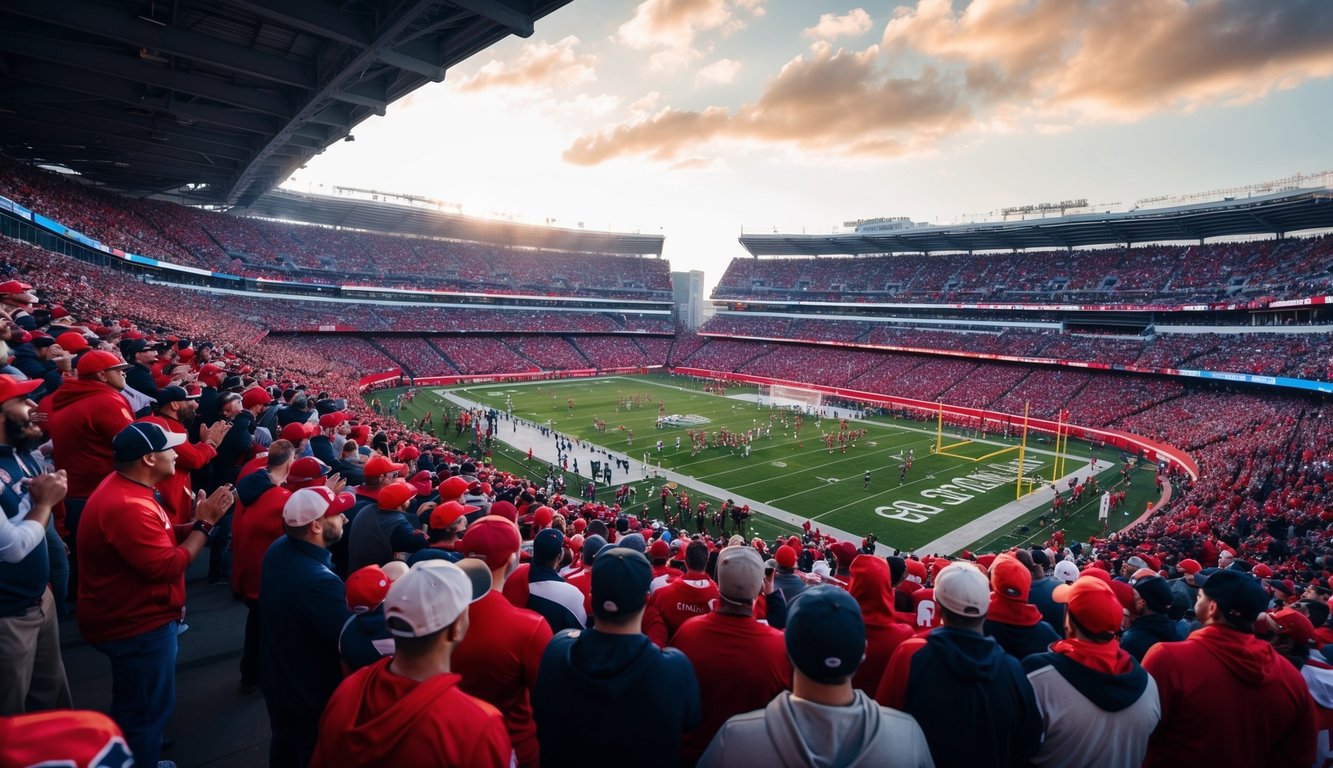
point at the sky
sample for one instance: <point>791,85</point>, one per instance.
<point>701,119</point>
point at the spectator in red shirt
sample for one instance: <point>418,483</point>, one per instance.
<point>410,709</point>
<point>1225,691</point>
<point>132,592</point>
<point>175,409</point>
<point>502,652</point>
<point>85,414</point>
<point>741,664</point>
<point>693,594</point>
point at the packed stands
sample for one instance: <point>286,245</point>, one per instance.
<point>1142,274</point>
<point>258,248</point>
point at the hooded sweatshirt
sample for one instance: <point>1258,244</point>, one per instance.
<point>1149,630</point>
<point>793,732</point>
<point>379,718</point>
<point>256,524</point>
<point>872,586</point>
<point>1092,717</point>
<point>1225,692</point>
<point>619,682</point>
<point>1018,627</point>
<point>957,682</point>
<point>85,415</point>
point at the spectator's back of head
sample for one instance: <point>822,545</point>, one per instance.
<point>826,635</point>
<point>696,556</point>
<point>620,581</point>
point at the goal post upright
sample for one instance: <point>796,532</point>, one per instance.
<point>939,428</point>
<point>1022,453</point>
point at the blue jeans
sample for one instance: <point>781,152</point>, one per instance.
<point>55,548</point>
<point>143,688</point>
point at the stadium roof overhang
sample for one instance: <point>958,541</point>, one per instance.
<point>428,222</point>
<point>222,99</point>
<point>1281,212</point>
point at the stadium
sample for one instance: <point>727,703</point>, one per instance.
<point>1146,384</point>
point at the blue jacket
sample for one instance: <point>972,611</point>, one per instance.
<point>302,609</point>
<point>375,535</point>
<point>1149,630</point>
<point>21,583</point>
<point>962,683</point>
<point>621,683</point>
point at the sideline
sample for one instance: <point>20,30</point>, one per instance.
<point>526,436</point>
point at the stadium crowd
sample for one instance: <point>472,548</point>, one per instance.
<point>252,247</point>
<point>408,603</point>
<point>1299,355</point>
<point>1216,272</point>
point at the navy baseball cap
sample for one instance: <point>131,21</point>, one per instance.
<point>826,634</point>
<point>548,544</point>
<point>142,438</point>
<point>620,581</point>
<point>1238,595</point>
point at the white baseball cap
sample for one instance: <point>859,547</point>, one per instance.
<point>433,594</point>
<point>310,504</point>
<point>1066,571</point>
<point>963,589</point>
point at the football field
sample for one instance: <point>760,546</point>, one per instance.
<point>790,466</point>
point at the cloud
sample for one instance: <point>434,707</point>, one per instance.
<point>538,65</point>
<point>990,66</point>
<point>675,25</point>
<point>832,101</point>
<point>720,72</point>
<point>854,23</point>
<point>1121,59</point>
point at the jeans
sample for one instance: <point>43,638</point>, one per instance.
<point>219,550</point>
<point>55,549</point>
<point>73,511</point>
<point>250,650</point>
<point>143,687</point>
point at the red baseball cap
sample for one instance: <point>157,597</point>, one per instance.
<point>1010,578</point>
<point>453,487</point>
<point>785,557</point>
<point>73,341</point>
<point>447,514</point>
<point>491,539</point>
<point>1092,603</point>
<point>379,465</point>
<point>408,452</point>
<point>1294,624</point>
<point>660,550</point>
<point>1262,571</point>
<point>99,360</point>
<point>367,588</point>
<point>396,494</point>
<point>844,552</point>
<point>255,396</point>
<point>331,420</point>
<point>298,431</point>
<point>306,471</point>
<point>1189,565</point>
<point>11,387</point>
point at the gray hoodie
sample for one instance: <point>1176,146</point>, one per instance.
<point>795,733</point>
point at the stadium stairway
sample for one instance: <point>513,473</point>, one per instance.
<point>377,345</point>
<point>434,344</point>
<point>574,342</point>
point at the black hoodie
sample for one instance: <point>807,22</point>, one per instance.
<point>620,683</point>
<point>973,701</point>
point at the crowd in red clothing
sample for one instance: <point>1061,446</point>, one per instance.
<point>1143,274</point>
<point>1300,355</point>
<point>258,248</point>
<point>731,616</point>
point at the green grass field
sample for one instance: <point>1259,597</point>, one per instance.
<point>793,471</point>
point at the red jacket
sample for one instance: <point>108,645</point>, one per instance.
<point>693,594</point>
<point>85,415</point>
<point>256,524</point>
<point>131,564</point>
<point>872,586</point>
<point>379,718</point>
<point>1225,692</point>
<point>177,496</point>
